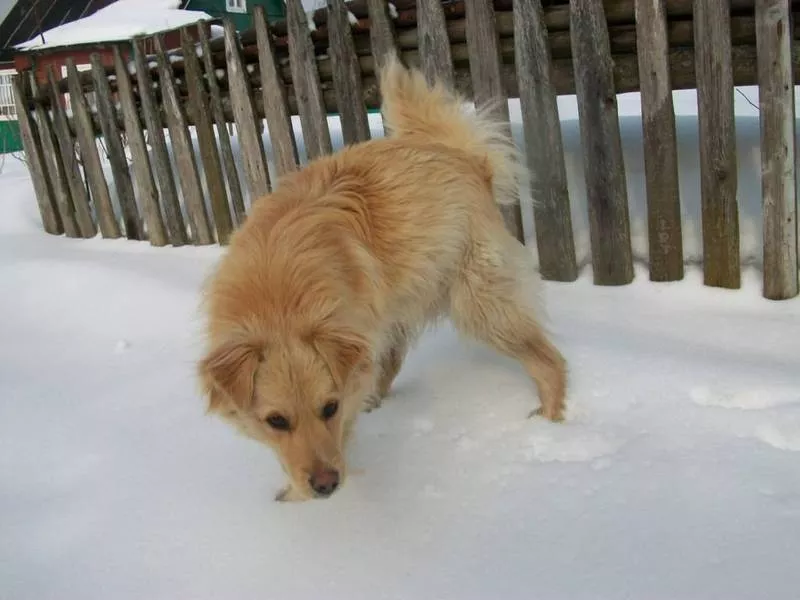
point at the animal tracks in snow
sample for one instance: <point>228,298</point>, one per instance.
<point>780,431</point>
<point>753,399</point>
<point>570,445</point>
<point>784,435</point>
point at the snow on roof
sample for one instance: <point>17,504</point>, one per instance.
<point>120,21</point>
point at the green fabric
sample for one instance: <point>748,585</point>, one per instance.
<point>10,140</point>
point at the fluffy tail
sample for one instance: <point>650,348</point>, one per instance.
<point>412,108</point>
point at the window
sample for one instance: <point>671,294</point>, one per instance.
<point>236,6</point>
<point>8,112</point>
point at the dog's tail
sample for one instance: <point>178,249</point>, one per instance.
<point>411,108</point>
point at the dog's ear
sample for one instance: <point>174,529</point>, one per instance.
<point>344,351</point>
<point>228,371</point>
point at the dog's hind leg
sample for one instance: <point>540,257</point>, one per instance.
<point>494,301</point>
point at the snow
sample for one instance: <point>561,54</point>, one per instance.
<point>122,20</point>
<point>674,476</point>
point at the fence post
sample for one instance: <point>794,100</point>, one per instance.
<point>142,173</point>
<point>252,146</point>
<point>307,87</point>
<point>182,149</point>
<point>176,228</point>
<point>212,168</point>
<point>434,44</point>
<point>231,173</point>
<point>66,146</point>
<point>381,32</point>
<point>33,153</point>
<point>53,163</point>
<point>107,116</point>
<point>714,72</point>
<point>273,91</point>
<point>544,146</point>
<point>660,144</point>
<point>487,84</point>
<point>606,191</point>
<point>776,107</point>
<point>84,128</point>
<point>346,75</point>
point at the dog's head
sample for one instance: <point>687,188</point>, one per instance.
<point>297,395</point>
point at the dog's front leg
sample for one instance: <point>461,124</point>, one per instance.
<point>289,494</point>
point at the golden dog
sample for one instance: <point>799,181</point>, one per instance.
<point>324,287</point>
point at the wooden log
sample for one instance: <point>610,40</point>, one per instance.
<point>718,185</point>
<point>556,12</point>
<point>51,221</point>
<point>660,143</point>
<point>66,146</point>
<point>55,167</point>
<point>252,146</point>
<point>487,87</point>
<point>140,160</point>
<point>544,146</point>
<point>84,129</point>
<point>206,140</point>
<point>622,37</point>
<point>381,31</point>
<point>778,167</point>
<point>606,192</point>
<point>347,75</point>
<point>231,173</point>
<point>116,153</point>
<point>176,229</point>
<point>305,80</point>
<point>434,45</point>
<point>626,76</point>
<point>183,150</point>
<point>273,91</point>
<point>623,45</point>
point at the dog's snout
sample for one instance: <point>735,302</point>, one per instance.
<point>324,482</point>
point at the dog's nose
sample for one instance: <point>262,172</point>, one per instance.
<point>324,482</point>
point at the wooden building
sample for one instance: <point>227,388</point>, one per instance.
<point>113,25</point>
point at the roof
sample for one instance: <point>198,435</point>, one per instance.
<point>121,20</point>
<point>28,17</point>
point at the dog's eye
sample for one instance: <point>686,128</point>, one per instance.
<point>329,410</point>
<point>278,422</point>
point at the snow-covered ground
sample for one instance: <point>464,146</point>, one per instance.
<point>676,475</point>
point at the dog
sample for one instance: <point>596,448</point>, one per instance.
<point>333,276</point>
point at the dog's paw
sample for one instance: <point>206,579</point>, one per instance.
<point>556,415</point>
<point>289,494</point>
<point>371,402</point>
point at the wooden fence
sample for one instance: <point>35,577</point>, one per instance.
<point>593,48</point>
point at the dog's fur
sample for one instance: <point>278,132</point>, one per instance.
<point>332,276</point>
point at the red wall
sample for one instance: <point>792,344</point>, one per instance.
<point>41,62</point>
